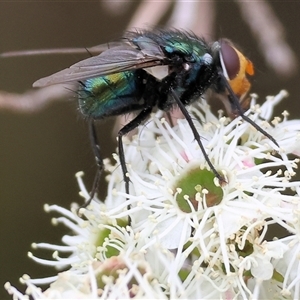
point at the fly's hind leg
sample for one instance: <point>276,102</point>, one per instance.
<point>98,158</point>
<point>145,111</point>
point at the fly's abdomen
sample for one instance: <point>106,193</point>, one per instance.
<point>111,94</point>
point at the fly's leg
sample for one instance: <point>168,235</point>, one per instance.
<point>98,158</point>
<point>196,135</point>
<point>142,116</point>
<point>234,101</point>
<point>145,112</point>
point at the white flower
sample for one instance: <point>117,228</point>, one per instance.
<point>179,233</point>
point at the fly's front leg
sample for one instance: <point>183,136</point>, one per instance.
<point>235,104</point>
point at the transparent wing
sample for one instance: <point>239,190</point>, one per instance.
<point>113,60</point>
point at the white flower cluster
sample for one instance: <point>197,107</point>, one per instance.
<point>179,234</point>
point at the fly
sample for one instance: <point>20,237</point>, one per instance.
<point>156,69</point>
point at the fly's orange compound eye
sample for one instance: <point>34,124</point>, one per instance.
<point>235,67</point>
<point>230,61</point>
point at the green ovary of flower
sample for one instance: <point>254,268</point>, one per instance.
<point>105,233</point>
<point>191,187</point>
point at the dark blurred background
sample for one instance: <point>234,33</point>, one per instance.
<point>40,153</point>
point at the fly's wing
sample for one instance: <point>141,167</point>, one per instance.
<point>114,60</point>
